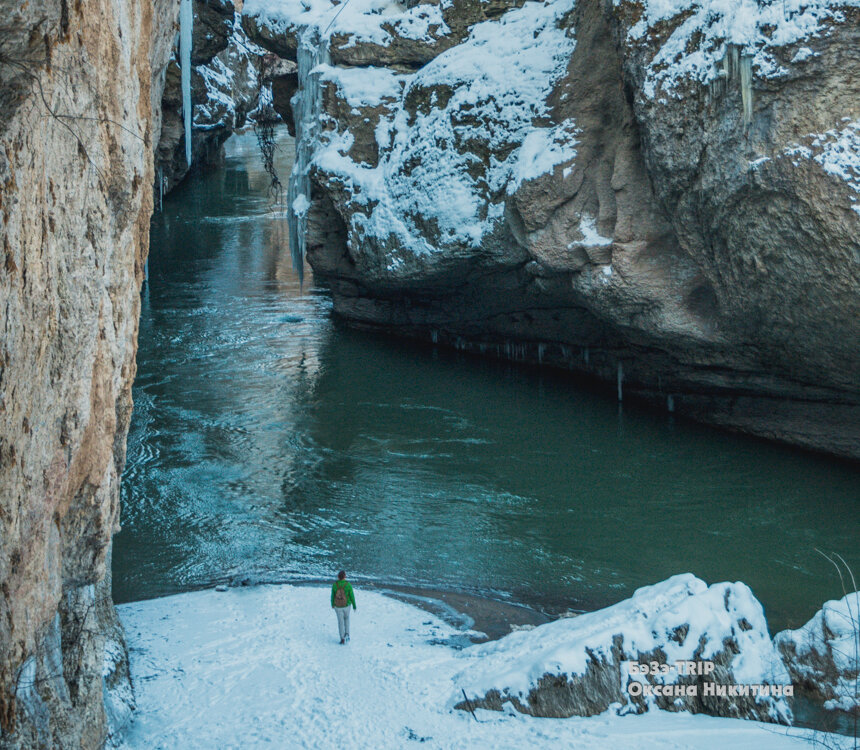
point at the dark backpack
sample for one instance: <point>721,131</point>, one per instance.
<point>340,596</point>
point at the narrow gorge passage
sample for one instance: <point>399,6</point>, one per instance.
<point>269,443</point>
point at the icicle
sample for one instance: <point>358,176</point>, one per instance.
<point>746,88</point>
<point>620,378</point>
<point>307,108</point>
<point>670,404</point>
<point>434,336</point>
<point>585,354</point>
<point>541,352</point>
<point>186,23</point>
<point>160,189</point>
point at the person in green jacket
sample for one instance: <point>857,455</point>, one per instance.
<point>341,597</point>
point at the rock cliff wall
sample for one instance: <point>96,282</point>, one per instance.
<point>78,82</point>
<point>661,195</point>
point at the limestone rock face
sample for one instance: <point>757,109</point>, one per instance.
<point>75,168</point>
<point>759,171</point>
<point>697,643</point>
<point>660,195</point>
<point>224,90</point>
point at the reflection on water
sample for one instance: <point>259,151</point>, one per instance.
<point>269,443</point>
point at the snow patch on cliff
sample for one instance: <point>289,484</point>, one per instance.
<point>840,153</point>
<point>364,87</point>
<point>542,151</point>
<point>490,90</point>
<point>361,21</point>
<point>706,29</point>
<point>590,236</point>
<point>837,151</point>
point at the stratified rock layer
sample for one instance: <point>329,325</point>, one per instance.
<point>76,143</point>
<point>661,195</point>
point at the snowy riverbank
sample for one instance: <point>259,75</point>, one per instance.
<point>261,667</point>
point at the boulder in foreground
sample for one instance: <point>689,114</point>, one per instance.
<point>823,657</point>
<point>582,666</point>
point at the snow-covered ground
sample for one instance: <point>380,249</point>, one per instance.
<point>262,667</point>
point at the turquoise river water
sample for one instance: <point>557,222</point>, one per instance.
<point>270,443</point>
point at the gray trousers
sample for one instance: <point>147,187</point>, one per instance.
<point>342,621</point>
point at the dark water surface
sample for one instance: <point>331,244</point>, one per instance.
<point>269,443</point>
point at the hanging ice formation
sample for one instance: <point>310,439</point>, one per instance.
<point>307,108</point>
<point>186,23</point>
<point>746,87</point>
<point>736,67</point>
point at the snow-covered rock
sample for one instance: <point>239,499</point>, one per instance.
<point>584,665</point>
<point>824,655</point>
<point>692,39</point>
<point>369,32</point>
<point>666,188</point>
<point>450,149</point>
<point>211,30</point>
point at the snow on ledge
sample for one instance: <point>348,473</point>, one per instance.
<point>708,27</point>
<point>542,151</point>
<point>364,21</point>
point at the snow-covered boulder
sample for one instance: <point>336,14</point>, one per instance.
<point>709,644</point>
<point>823,657</point>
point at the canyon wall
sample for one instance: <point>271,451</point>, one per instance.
<point>660,195</point>
<point>79,83</point>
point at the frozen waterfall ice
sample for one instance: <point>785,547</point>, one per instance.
<point>307,108</point>
<point>186,22</point>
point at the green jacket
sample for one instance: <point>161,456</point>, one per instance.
<point>347,587</point>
